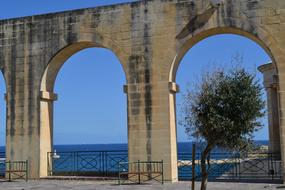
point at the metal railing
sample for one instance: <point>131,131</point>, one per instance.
<point>16,170</point>
<point>140,172</point>
<point>234,167</point>
<point>2,164</point>
<point>85,163</point>
<point>13,170</point>
<point>224,166</point>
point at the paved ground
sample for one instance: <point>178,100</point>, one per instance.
<point>110,185</point>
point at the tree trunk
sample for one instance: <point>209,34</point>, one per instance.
<point>204,170</point>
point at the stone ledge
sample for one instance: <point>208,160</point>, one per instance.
<point>125,88</point>
<point>48,96</point>
<point>173,87</point>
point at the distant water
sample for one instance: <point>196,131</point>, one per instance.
<point>183,147</point>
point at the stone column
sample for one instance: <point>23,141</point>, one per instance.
<point>151,124</point>
<point>270,84</point>
<point>46,133</point>
<point>157,142</point>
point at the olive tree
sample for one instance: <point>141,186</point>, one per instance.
<point>224,110</point>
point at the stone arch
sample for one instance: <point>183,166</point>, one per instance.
<point>264,39</point>
<point>47,95</point>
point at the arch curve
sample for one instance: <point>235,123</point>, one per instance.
<point>56,62</point>
<point>263,39</point>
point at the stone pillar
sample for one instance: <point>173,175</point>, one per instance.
<point>270,84</point>
<point>151,124</point>
<point>22,133</point>
<point>46,132</point>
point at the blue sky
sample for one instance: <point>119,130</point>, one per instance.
<point>92,106</point>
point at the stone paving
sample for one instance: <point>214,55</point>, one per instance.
<point>110,185</point>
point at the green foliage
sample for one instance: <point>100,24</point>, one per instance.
<point>225,109</point>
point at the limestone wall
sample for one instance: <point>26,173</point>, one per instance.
<point>150,38</point>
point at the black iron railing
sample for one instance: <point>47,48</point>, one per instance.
<point>2,164</point>
<point>86,163</point>
<point>13,169</point>
<point>223,166</point>
<point>234,166</point>
<point>16,170</point>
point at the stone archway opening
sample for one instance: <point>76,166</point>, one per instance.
<point>215,50</point>
<point>90,111</point>
<point>3,120</point>
<point>2,114</point>
<point>91,102</point>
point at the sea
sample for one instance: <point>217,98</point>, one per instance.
<point>182,147</point>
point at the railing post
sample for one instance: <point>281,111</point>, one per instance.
<point>75,167</point>
<point>27,172</point>
<point>193,165</point>
<point>104,162</point>
<point>9,170</point>
<point>119,170</point>
<point>48,164</point>
<point>162,175</point>
<point>272,171</point>
<point>239,165</point>
<point>139,171</point>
